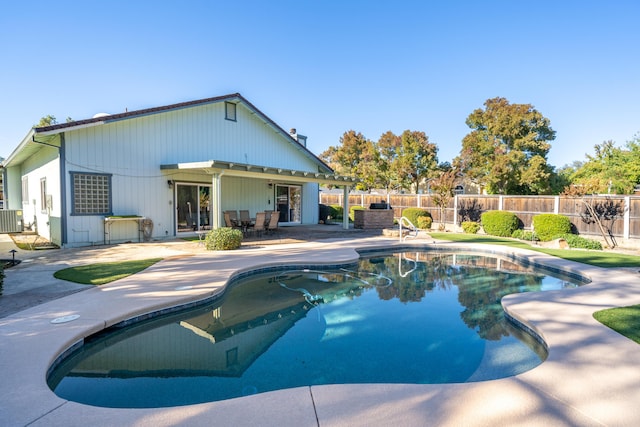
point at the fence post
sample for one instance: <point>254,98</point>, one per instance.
<point>556,205</point>
<point>627,217</point>
<point>500,203</point>
<point>345,207</point>
<point>455,210</point>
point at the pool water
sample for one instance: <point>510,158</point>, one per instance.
<point>420,317</point>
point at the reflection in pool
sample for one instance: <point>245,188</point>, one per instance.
<point>419,317</point>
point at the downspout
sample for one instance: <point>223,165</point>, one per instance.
<point>4,188</point>
<point>63,192</point>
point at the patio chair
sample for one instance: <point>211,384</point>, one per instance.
<point>233,215</point>
<point>259,227</point>
<point>272,225</point>
<point>229,223</point>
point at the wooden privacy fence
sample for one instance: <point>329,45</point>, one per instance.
<point>625,224</point>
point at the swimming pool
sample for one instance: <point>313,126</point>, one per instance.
<point>404,317</point>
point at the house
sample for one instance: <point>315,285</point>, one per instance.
<point>161,172</point>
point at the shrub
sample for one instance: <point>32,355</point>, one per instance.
<point>424,222</point>
<point>352,215</point>
<point>223,239</point>
<point>470,227</point>
<point>412,214</point>
<point>500,223</point>
<point>579,242</point>
<point>336,211</point>
<point>525,235</point>
<point>549,225</point>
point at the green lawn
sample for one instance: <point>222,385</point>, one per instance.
<point>606,259</point>
<point>624,320</point>
<point>99,274</point>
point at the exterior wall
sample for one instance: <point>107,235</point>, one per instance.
<point>132,151</point>
<point>256,195</point>
<point>43,165</point>
<point>12,185</point>
<point>246,193</point>
<point>310,213</point>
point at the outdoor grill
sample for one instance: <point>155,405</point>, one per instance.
<point>381,205</point>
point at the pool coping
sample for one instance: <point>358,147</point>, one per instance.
<point>589,378</point>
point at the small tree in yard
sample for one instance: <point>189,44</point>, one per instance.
<point>442,188</point>
<point>595,211</point>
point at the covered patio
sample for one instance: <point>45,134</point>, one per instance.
<point>249,187</point>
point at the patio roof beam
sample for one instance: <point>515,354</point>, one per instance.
<point>257,171</point>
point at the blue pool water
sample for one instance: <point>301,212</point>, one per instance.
<point>419,317</point>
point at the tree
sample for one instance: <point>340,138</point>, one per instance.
<point>388,146</point>
<point>48,120</point>
<point>416,159</point>
<point>506,152</point>
<point>393,162</point>
<point>616,170</point>
<point>595,211</point>
<point>351,156</point>
<point>442,191</point>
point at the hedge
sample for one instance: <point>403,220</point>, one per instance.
<point>548,225</point>
<point>500,223</point>
<point>413,215</point>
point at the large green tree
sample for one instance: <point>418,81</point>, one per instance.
<point>416,160</point>
<point>610,169</point>
<point>388,146</point>
<point>506,151</point>
<point>393,162</point>
<point>352,157</point>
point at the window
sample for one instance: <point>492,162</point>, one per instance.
<point>230,111</point>
<point>43,195</point>
<point>25,190</point>
<point>91,194</point>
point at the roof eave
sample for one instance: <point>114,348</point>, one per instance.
<point>27,140</point>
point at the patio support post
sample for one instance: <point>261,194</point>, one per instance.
<point>216,200</point>
<point>345,208</point>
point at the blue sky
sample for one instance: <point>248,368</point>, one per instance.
<point>325,67</point>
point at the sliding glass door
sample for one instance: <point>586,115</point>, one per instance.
<point>193,211</point>
<point>289,203</point>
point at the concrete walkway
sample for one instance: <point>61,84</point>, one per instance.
<point>591,376</point>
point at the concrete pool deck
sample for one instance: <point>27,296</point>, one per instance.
<point>591,377</point>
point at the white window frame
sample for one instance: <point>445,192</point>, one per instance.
<point>43,195</point>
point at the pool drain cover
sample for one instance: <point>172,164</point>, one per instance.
<point>65,319</point>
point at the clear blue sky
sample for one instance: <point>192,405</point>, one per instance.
<point>325,67</point>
